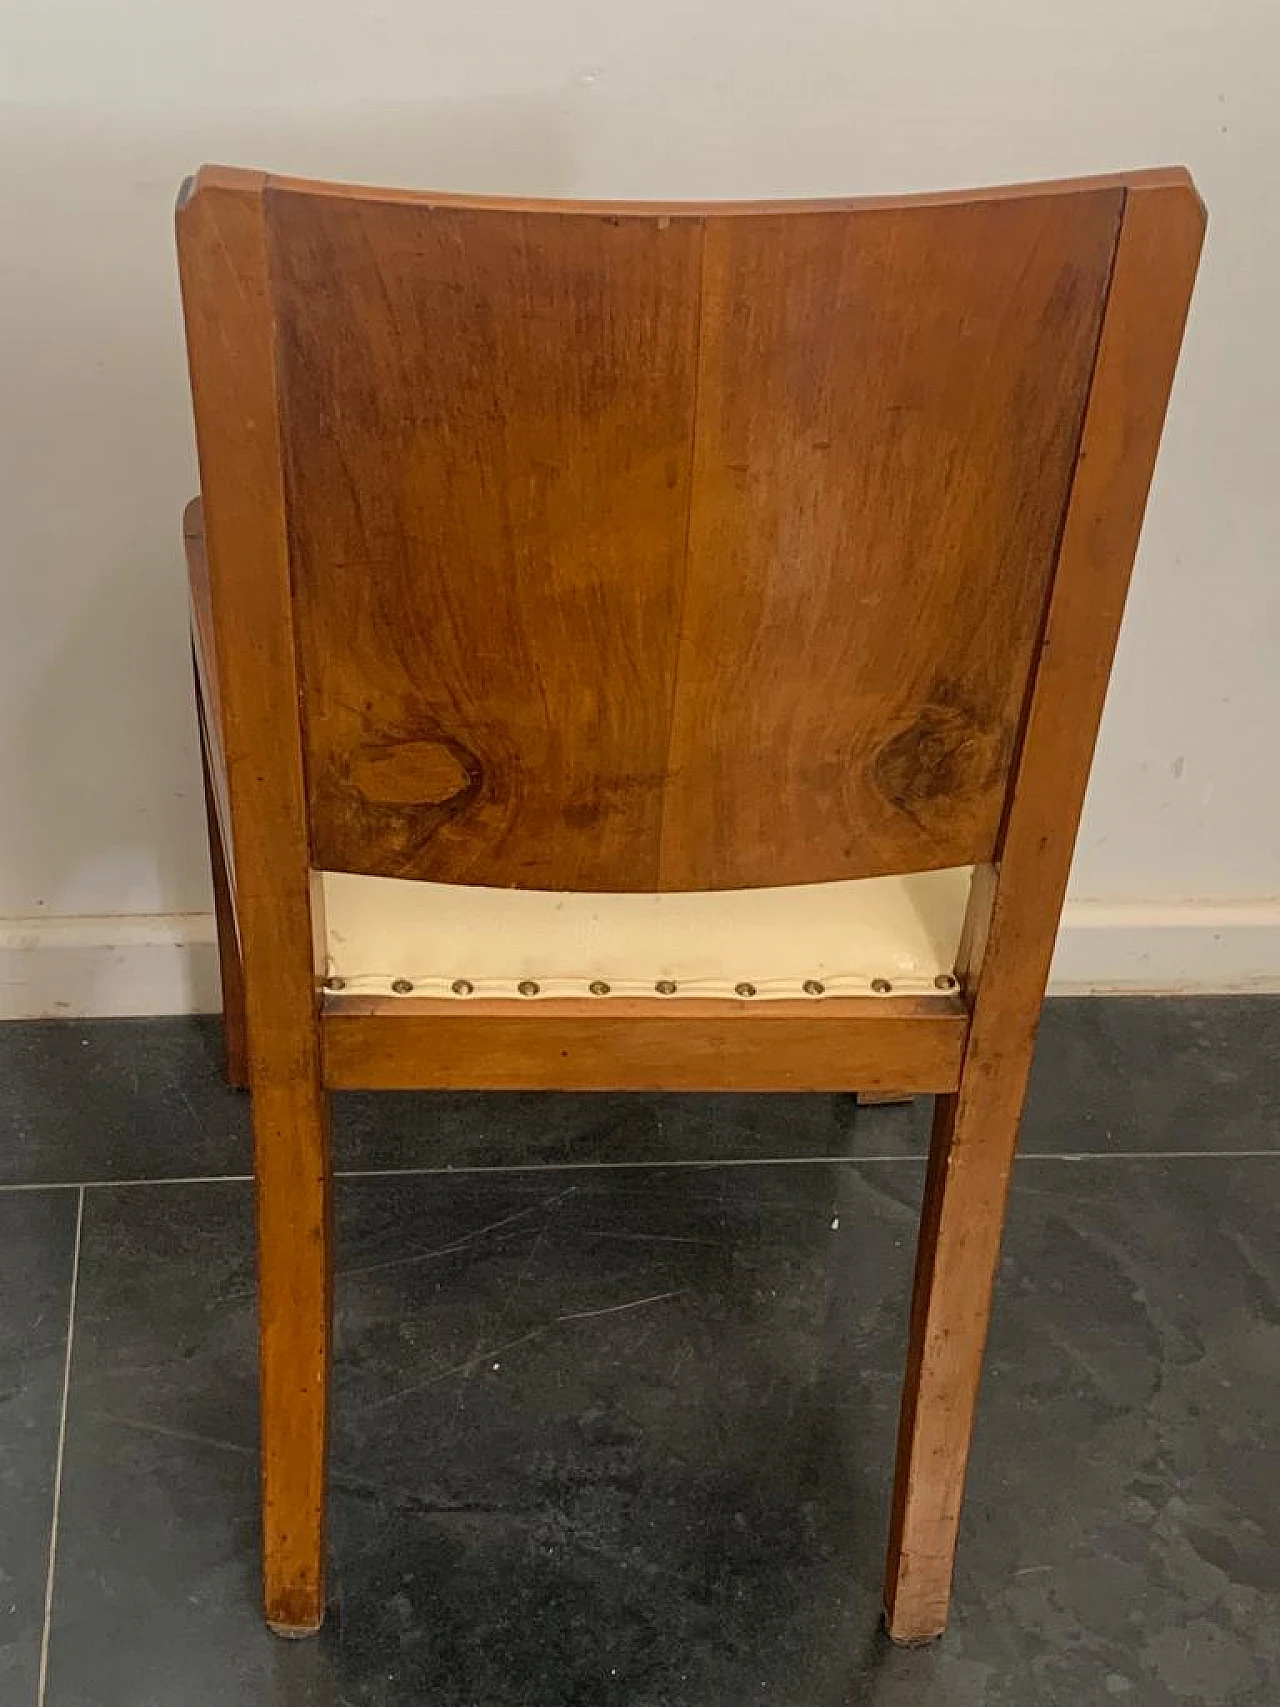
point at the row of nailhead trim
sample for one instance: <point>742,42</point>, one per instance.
<point>664,986</point>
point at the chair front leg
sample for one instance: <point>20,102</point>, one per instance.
<point>294,1197</point>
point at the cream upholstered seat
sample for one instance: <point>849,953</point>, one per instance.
<point>880,935</point>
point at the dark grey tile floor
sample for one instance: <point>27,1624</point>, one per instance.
<point>615,1428</point>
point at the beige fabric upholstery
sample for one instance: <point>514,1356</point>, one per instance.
<point>845,936</point>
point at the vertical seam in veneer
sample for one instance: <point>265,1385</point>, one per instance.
<point>661,861</point>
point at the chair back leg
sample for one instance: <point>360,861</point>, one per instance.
<point>975,1135</point>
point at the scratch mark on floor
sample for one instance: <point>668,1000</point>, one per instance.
<point>473,1362</point>
<point>457,1244</point>
<point>617,1309</point>
<point>551,1205</point>
<point>191,1109</point>
<point>462,1368</point>
<point>166,1433</point>
<point>650,1238</point>
<point>415,1504</point>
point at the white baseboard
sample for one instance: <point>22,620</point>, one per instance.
<point>1167,948</point>
<point>166,963</point>
<point>151,963</point>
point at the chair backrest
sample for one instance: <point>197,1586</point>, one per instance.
<point>656,547</point>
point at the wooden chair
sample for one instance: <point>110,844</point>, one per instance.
<point>649,646</point>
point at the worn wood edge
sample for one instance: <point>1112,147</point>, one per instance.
<point>1014,915</point>
<point>223,177</point>
<point>469,1050</point>
<point>294,1632</point>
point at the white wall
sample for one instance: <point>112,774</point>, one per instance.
<point>106,104</point>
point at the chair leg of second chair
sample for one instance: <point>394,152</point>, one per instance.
<point>291,1136</point>
<point>970,1158</point>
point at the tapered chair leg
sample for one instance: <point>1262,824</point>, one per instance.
<point>291,1135</point>
<point>962,1219</point>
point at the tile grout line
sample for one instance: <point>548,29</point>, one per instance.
<point>1146,1155</point>
<point>473,1169</point>
<point>43,1680</point>
<point>919,1156</point>
<point>111,1184</point>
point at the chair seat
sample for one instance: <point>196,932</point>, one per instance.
<point>882,935</point>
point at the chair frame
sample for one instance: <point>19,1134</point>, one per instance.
<point>293,1042</point>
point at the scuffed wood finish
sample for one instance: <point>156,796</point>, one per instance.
<point>643,551</point>
<point>222,253</point>
<point>858,1043</point>
<point>490,420</point>
<point>975,1133</point>
<point>889,405</point>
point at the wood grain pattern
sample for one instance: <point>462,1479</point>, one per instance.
<point>855,1043</point>
<point>889,410</point>
<point>490,419</point>
<point>662,551</point>
<point>975,1133</point>
<point>226,300</point>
